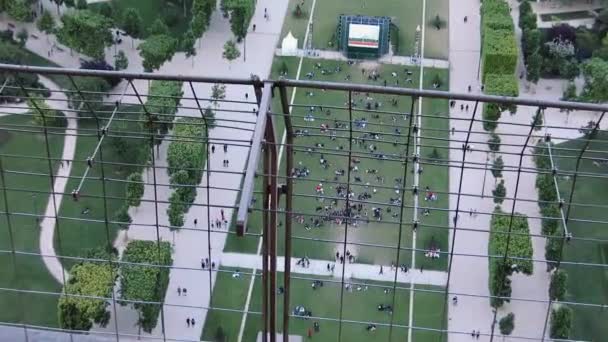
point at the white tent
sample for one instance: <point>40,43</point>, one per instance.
<point>289,46</point>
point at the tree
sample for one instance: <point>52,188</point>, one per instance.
<point>22,36</point>
<point>86,32</point>
<point>158,27</point>
<point>238,22</point>
<point>43,115</point>
<point>507,324</point>
<point>533,67</point>
<point>209,116</point>
<point>595,72</point>
<point>494,142</point>
<point>218,93</point>
<point>46,23</point>
<point>81,4</point>
<point>201,15</point>
<point>499,192</point>
<point>156,50</point>
<point>570,92</point>
<point>557,288</point>
<point>497,167</point>
<point>561,322</point>
<point>121,62</point>
<point>19,10</point>
<point>220,335</point>
<point>537,120</point>
<point>175,212</point>
<point>134,189</point>
<point>437,22</point>
<point>132,23</point>
<point>188,42</point>
<point>122,217</point>
<point>231,51</point>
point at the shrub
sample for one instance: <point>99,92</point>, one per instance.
<point>557,287</point>
<point>86,279</point>
<point>499,54</point>
<point>507,324</point>
<point>122,217</point>
<point>520,245</point>
<point>561,322</point>
<point>499,192</point>
<point>498,84</point>
<point>494,143</point>
<point>497,167</point>
<point>147,283</point>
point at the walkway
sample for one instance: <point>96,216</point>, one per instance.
<point>352,271</point>
<point>468,274</point>
<point>386,59</point>
<point>57,101</point>
<point>190,246</point>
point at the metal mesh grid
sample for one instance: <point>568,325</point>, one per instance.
<point>267,128</point>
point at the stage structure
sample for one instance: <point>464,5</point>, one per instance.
<point>363,36</point>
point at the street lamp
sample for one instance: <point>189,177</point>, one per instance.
<point>485,172</point>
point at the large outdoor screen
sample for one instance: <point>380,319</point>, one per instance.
<point>363,36</point>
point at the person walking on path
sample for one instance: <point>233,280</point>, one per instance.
<point>185,291</point>
<point>222,213</point>
<point>225,148</point>
<point>188,322</point>
<point>192,321</point>
<point>381,270</point>
<point>179,291</point>
<point>212,148</point>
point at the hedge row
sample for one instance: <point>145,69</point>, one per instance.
<point>498,84</point>
<point>499,55</point>
<point>186,158</point>
<point>498,58</point>
<point>518,256</point>
<point>86,279</point>
<point>547,202</point>
<point>146,282</point>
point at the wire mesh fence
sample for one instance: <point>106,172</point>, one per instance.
<point>175,208</point>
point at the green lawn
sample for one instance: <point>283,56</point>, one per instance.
<point>26,272</point>
<point>406,15</point>
<point>589,322</point>
<point>316,242</point>
<point>358,305</point>
<point>73,238</point>
<point>171,12</point>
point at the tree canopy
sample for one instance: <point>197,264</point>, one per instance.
<point>86,32</point>
<point>156,50</point>
<point>46,23</point>
<point>132,23</point>
<point>595,72</point>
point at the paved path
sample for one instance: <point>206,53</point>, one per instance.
<point>387,59</point>
<point>191,245</point>
<point>57,101</point>
<point>352,271</point>
<point>468,274</point>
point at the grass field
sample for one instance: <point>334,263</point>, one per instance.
<point>26,272</point>
<point>171,12</point>
<point>589,322</point>
<point>72,238</point>
<point>358,305</point>
<point>406,15</point>
<point>323,242</point>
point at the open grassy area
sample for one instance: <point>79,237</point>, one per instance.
<point>589,322</point>
<point>20,271</point>
<point>406,15</point>
<point>171,12</point>
<point>358,305</point>
<point>322,242</point>
<point>73,238</point>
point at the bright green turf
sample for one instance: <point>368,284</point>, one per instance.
<point>380,233</point>
<point>436,41</point>
<point>325,303</point>
<point>72,237</point>
<point>589,322</point>
<point>407,15</point>
<point>25,272</point>
<point>150,10</point>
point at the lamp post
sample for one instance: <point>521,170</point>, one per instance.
<point>485,173</point>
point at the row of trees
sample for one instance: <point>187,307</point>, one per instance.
<point>498,58</point>
<point>86,32</point>
<point>91,280</point>
<point>510,250</point>
<point>148,281</point>
<point>186,158</point>
<point>551,228</point>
